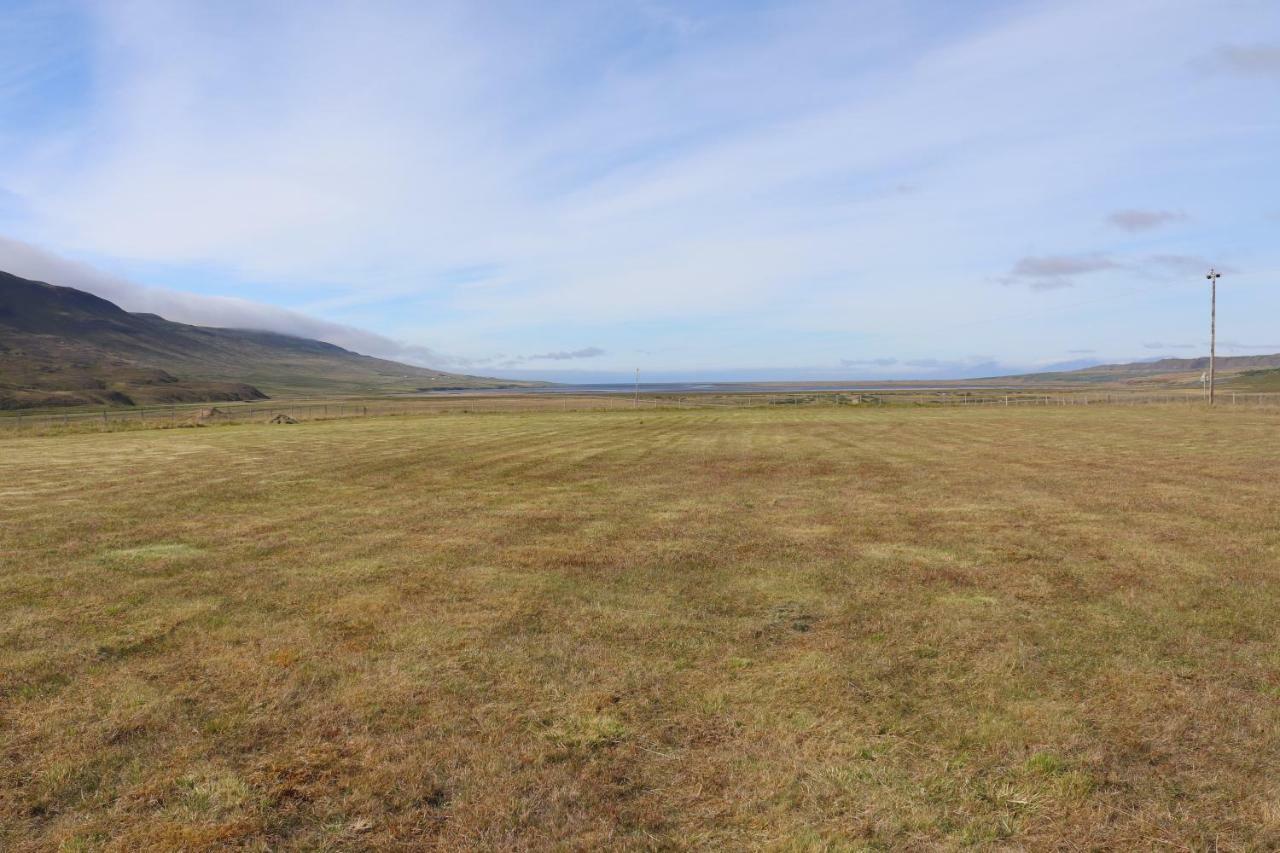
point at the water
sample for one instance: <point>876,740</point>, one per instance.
<point>702,388</point>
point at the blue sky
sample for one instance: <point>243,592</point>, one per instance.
<point>714,189</point>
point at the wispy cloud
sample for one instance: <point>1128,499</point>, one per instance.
<point>1185,265</point>
<point>868,362</point>
<point>1050,272</point>
<point>1144,220</point>
<point>721,183</point>
<point>1235,345</point>
<point>1252,59</point>
<point>1230,345</point>
<point>567,355</point>
<point>28,261</point>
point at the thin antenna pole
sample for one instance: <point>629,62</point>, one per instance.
<point>637,403</point>
<point>1213,277</point>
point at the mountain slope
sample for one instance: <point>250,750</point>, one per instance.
<point>1265,379</point>
<point>1162,373</point>
<point>62,346</point>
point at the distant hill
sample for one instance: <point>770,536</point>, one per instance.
<point>1239,372</point>
<point>63,347</point>
<point>1243,371</point>
<point>1267,379</point>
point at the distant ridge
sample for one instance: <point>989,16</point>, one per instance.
<point>64,347</point>
<point>1240,372</point>
<point>1163,372</point>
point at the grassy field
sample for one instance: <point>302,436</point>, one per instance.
<point>1257,380</point>
<point>798,629</point>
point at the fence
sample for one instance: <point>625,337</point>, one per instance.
<point>284,411</point>
<point>303,410</point>
<point>962,398</point>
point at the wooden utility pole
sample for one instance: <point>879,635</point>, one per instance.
<point>1213,277</point>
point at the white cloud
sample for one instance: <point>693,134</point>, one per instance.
<point>567,355</point>
<point>613,167</point>
<point>868,362</point>
<point>27,261</point>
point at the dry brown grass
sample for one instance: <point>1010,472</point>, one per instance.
<point>796,629</point>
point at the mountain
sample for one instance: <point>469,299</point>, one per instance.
<point>1253,373</point>
<point>63,347</point>
<point>1243,371</point>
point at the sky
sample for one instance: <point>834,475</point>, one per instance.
<point>730,189</point>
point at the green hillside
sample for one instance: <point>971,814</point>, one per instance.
<point>63,347</point>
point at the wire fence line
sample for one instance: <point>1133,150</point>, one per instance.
<point>285,411</point>
<point>966,398</point>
